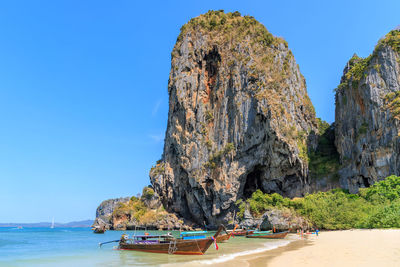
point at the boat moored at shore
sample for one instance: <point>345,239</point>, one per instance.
<point>268,234</point>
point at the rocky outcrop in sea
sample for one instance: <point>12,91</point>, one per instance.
<point>143,212</point>
<point>105,210</point>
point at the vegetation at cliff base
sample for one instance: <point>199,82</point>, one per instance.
<point>375,207</point>
<point>324,160</point>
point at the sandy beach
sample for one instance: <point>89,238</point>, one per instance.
<point>335,248</point>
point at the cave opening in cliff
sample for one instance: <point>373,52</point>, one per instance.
<point>253,182</point>
<point>213,58</point>
<point>365,181</point>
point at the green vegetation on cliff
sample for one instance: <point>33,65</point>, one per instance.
<point>391,39</point>
<point>374,207</point>
<point>143,211</point>
<point>356,71</point>
<point>324,160</point>
<point>231,23</point>
<point>358,66</point>
<point>392,103</point>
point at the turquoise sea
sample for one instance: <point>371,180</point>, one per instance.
<point>79,247</point>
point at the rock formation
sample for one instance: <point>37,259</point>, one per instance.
<point>105,210</point>
<point>282,220</point>
<point>239,119</point>
<point>367,116</point>
<point>145,212</point>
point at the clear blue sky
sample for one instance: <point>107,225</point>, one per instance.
<point>83,88</point>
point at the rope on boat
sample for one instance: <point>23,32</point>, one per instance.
<point>198,246</point>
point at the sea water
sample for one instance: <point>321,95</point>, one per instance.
<point>80,247</point>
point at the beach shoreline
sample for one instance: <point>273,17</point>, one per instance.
<point>373,247</point>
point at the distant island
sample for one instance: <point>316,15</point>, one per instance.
<point>85,223</point>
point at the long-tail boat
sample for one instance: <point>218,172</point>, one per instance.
<point>202,234</point>
<point>199,235</point>
<point>223,238</point>
<point>167,244</point>
<point>268,234</point>
<point>242,232</point>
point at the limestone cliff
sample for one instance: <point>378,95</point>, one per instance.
<point>239,119</point>
<point>367,116</point>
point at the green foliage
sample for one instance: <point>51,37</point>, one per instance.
<point>242,206</point>
<point>359,65</point>
<point>388,189</point>
<point>392,103</point>
<point>324,160</point>
<point>209,116</point>
<point>147,193</point>
<point>386,216</point>
<point>301,140</point>
<point>374,207</point>
<point>322,126</point>
<point>136,211</point>
<point>229,147</point>
<point>216,158</point>
<point>356,71</point>
<point>392,39</point>
<point>260,202</point>
<point>302,146</point>
<point>209,144</point>
<point>158,169</point>
<point>363,129</point>
<point>233,25</point>
<point>334,209</point>
<point>134,208</point>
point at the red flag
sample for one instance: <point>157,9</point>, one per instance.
<point>215,243</point>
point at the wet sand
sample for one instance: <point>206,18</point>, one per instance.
<point>335,248</point>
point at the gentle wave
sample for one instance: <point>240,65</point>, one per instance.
<point>228,257</point>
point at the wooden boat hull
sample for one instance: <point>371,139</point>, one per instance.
<point>242,233</point>
<point>223,238</point>
<point>271,236</point>
<point>179,247</point>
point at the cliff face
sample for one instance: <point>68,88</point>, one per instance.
<point>239,119</point>
<point>367,116</point>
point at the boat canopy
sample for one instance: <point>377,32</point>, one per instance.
<point>193,233</point>
<point>151,236</point>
